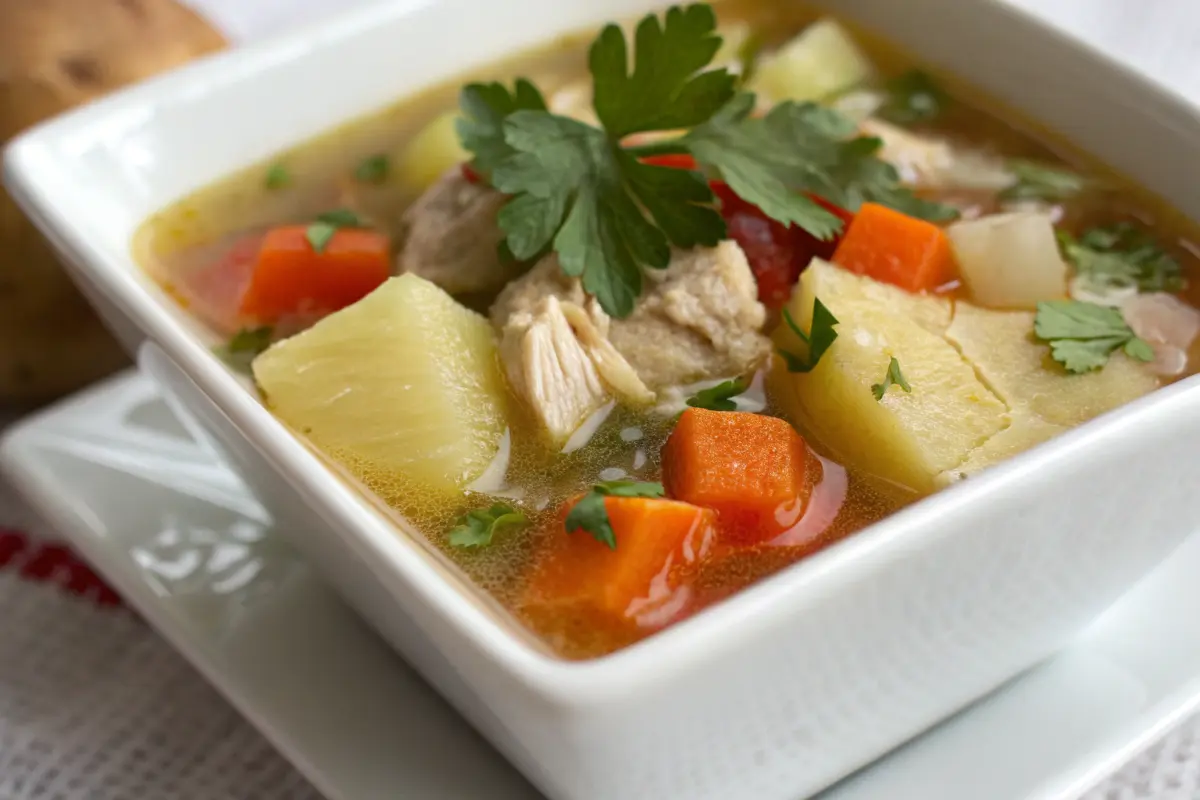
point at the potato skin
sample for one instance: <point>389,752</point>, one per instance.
<point>55,55</point>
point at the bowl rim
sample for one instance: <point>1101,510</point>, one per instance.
<point>38,182</point>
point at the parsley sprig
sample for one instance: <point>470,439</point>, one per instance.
<point>1082,336</point>
<point>477,527</point>
<point>894,377</point>
<point>589,513</point>
<point>1123,254</point>
<point>583,192</point>
<point>819,338</point>
<point>719,397</point>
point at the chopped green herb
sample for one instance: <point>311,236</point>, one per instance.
<point>372,170</point>
<point>277,176</point>
<point>327,224</point>
<point>1123,254</point>
<point>819,339</point>
<point>477,527</point>
<point>719,397</point>
<point>1082,336</point>
<point>1037,181</point>
<point>913,98</point>
<point>244,345</point>
<point>580,191</point>
<point>591,516</point>
<point>894,377</point>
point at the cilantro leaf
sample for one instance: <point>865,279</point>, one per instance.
<point>320,231</point>
<point>894,377</point>
<point>719,397</point>
<point>1038,181</point>
<point>1123,254</point>
<point>1082,336</point>
<point>477,527</point>
<point>373,169</point>
<point>589,513</point>
<point>576,189</point>
<point>277,176</point>
<point>913,98</point>
<point>666,89</point>
<point>819,339</point>
<point>485,106</point>
<point>244,345</point>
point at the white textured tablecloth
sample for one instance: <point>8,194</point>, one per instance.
<point>94,706</point>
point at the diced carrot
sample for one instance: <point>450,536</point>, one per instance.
<point>291,277</point>
<point>643,582</point>
<point>749,468</point>
<point>895,248</point>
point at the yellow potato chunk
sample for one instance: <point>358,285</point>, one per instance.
<point>906,438</point>
<point>431,152</point>
<point>1021,372</point>
<point>1025,431</point>
<point>403,386</point>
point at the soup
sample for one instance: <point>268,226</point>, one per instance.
<point>678,309</point>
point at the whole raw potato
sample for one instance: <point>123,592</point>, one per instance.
<point>54,55</point>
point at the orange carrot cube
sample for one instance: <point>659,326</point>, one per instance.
<point>643,581</point>
<point>749,468</point>
<point>895,248</point>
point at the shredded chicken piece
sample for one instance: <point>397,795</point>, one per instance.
<point>558,361</point>
<point>928,162</point>
<point>697,319</point>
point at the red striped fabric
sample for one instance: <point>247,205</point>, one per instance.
<point>54,564</point>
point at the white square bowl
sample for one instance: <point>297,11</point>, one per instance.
<point>793,683</point>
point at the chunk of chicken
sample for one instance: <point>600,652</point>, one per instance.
<point>449,236</point>
<point>697,319</point>
<point>559,362</point>
<point>928,162</point>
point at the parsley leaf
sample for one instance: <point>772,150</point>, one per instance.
<point>763,160</point>
<point>818,339</point>
<point>485,106</point>
<point>894,377</point>
<point>1082,336</point>
<point>373,169</point>
<point>477,527</point>
<point>803,147</point>
<point>719,397</point>
<point>576,189</point>
<point>244,345</point>
<point>277,176</point>
<point>590,514</point>
<point>1123,254</point>
<point>327,224</point>
<point>666,89</point>
<point>1038,181</point>
<point>913,98</point>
